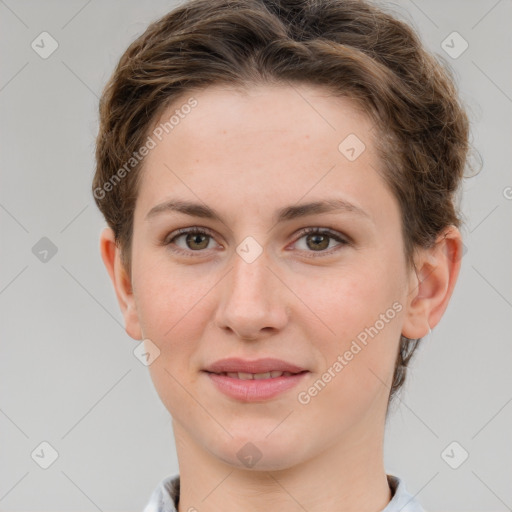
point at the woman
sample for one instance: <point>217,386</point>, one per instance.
<point>279,180</point>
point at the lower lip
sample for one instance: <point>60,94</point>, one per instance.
<point>255,390</point>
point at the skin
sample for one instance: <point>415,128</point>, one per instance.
<point>247,154</point>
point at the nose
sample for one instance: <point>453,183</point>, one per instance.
<point>253,300</point>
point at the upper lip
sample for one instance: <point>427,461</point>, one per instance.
<point>235,365</point>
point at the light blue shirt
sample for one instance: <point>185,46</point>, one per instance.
<point>165,497</point>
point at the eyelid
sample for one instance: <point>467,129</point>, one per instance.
<point>185,231</point>
<point>342,240</point>
<point>340,237</point>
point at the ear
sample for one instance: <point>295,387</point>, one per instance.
<point>111,255</point>
<point>432,283</point>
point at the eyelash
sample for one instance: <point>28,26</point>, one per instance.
<point>306,231</point>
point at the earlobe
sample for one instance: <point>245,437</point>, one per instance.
<point>111,256</point>
<point>432,285</point>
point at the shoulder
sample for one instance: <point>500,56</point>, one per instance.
<point>165,496</point>
<point>402,500</point>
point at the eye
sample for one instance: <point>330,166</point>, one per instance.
<point>318,240</point>
<point>196,239</point>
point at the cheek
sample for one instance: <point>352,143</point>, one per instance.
<point>346,301</point>
<point>171,317</point>
<point>169,301</point>
<point>360,315</point>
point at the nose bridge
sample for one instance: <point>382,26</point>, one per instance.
<point>250,299</point>
<point>250,275</point>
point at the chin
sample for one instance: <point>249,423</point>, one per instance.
<point>260,453</point>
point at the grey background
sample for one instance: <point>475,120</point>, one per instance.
<point>67,369</point>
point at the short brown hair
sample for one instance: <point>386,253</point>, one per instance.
<point>352,47</point>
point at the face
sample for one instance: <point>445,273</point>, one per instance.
<point>252,283</point>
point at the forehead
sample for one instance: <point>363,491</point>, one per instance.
<point>266,108</point>
<point>260,142</point>
<point>277,114</point>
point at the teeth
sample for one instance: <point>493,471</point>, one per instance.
<point>244,376</point>
<point>262,375</point>
<point>255,376</point>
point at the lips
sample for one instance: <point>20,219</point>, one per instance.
<point>255,390</point>
<point>254,381</point>
<point>258,369</point>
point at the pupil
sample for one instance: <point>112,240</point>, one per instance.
<point>195,237</point>
<point>317,242</point>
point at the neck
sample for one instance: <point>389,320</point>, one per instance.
<point>346,477</point>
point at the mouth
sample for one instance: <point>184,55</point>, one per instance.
<point>256,376</point>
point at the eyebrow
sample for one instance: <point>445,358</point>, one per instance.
<point>286,213</point>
